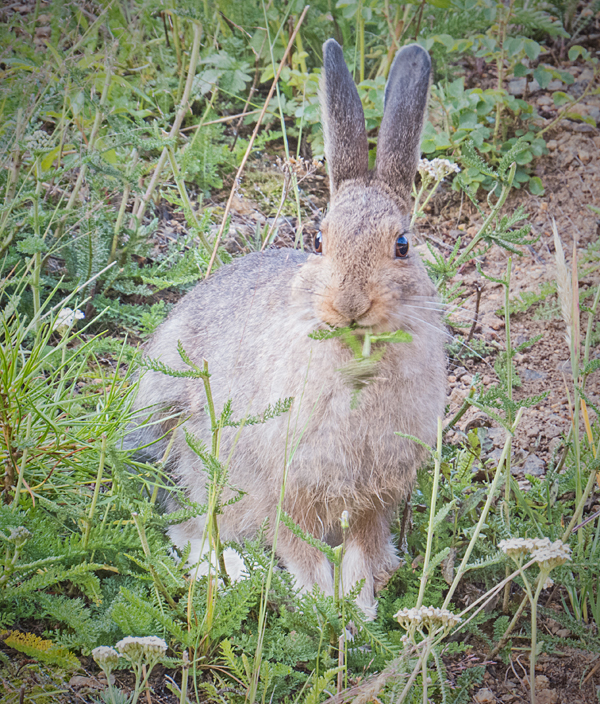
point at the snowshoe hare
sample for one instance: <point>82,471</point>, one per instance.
<point>252,322</point>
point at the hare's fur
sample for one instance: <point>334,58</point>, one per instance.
<point>252,321</point>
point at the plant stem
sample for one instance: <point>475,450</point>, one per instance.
<point>505,13</point>
<point>187,204</point>
<point>181,112</point>
<point>495,210</point>
<point>251,142</point>
<point>121,214</point>
<point>509,393</point>
<point>430,531</point>
<point>15,503</point>
<point>484,513</point>
<point>91,144</point>
<point>88,526</point>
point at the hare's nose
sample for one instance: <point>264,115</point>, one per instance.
<point>352,304</point>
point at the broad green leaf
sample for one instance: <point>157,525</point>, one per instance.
<point>536,187</point>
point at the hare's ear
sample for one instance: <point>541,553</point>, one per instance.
<point>405,103</point>
<point>343,119</point>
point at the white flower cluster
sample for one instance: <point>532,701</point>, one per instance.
<point>107,658</point>
<point>38,142</point>
<point>546,553</point>
<point>134,649</point>
<point>426,617</point>
<point>66,318</point>
<point>436,169</point>
<point>19,535</point>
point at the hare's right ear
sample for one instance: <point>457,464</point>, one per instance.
<point>405,102</point>
<point>343,119</point>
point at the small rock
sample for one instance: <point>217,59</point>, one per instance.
<point>534,466</point>
<point>78,682</point>
<point>517,86</point>
<point>497,436</point>
<point>563,633</point>
<point>565,367</point>
<point>552,431</point>
<point>485,696</point>
<point>457,397</point>
<point>554,444</point>
<point>547,696</point>
<point>459,372</point>
<point>531,374</point>
<point>584,155</point>
<point>466,379</point>
<point>552,144</point>
<point>545,100</point>
<point>594,113</point>
<point>541,682</point>
<point>556,84</point>
<point>533,86</point>
<point>487,380</point>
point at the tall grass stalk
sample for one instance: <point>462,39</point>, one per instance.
<point>179,115</point>
<point>509,393</point>
<point>484,512</point>
<point>432,513</point>
<point>251,141</point>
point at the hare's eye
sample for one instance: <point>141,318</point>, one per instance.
<point>319,243</point>
<point>401,247</point>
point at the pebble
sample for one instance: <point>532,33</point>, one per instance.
<point>485,695</point>
<point>534,466</point>
<point>532,374</point>
<point>552,144</point>
<point>517,86</point>
<point>545,100</point>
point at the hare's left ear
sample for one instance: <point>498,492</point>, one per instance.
<point>405,104</point>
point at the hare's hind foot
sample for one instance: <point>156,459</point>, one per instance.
<point>199,560</point>
<point>370,555</point>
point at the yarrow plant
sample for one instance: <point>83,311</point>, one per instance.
<point>66,319</point>
<point>139,652</point>
<point>432,173</point>
<point>547,555</point>
<point>435,621</point>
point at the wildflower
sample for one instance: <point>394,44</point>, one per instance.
<point>135,649</point>
<point>344,520</point>
<point>19,536</point>
<point>105,657</point>
<point>550,556</point>
<point>546,553</point>
<point>38,142</point>
<point>436,169</point>
<point>516,547</point>
<point>65,319</point>
<point>428,617</point>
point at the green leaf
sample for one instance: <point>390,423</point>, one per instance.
<point>32,244</point>
<point>521,70</point>
<point>532,49</point>
<point>524,157</point>
<point>560,98</point>
<point>536,187</point>
<point>542,76</point>
<point>576,51</point>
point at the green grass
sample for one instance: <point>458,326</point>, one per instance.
<point>123,115</point>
